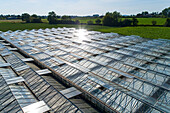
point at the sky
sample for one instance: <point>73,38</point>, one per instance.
<point>81,7</point>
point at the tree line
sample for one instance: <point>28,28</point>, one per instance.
<point>31,19</point>
<point>165,13</point>
<point>109,19</point>
<point>115,19</point>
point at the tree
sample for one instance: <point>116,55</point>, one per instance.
<point>35,19</point>
<point>90,22</point>
<point>98,21</point>
<point>18,17</point>
<point>77,22</point>
<point>108,19</point>
<point>167,23</point>
<point>134,21</point>
<point>145,13</point>
<point>58,16</point>
<point>52,18</point>
<point>34,15</point>
<point>111,19</point>
<point>166,12</point>
<point>26,17</point>
<point>66,18</point>
<point>139,15</point>
<point>154,22</point>
<point>126,22</point>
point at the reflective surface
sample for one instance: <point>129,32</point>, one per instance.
<point>29,90</point>
<point>122,73</point>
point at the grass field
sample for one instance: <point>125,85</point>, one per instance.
<point>85,19</point>
<point>147,32</point>
<point>142,21</point>
<point>148,21</point>
<point>10,21</point>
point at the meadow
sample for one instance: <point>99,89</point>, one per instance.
<point>146,32</point>
<point>11,21</point>
<point>148,21</point>
<point>142,21</point>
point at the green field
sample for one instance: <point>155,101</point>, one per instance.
<point>10,21</point>
<point>147,32</point>
<point>148,21</point>
<point>85,19</point>
<point>44,20</point>
<point>142,21</point>
<point>81,19</point>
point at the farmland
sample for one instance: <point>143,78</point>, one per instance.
<point>148,21</point>
<point>10,21</point>
<point>142,21</point>
<point>147,32</point>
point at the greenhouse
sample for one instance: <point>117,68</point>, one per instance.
<point>111,72</point>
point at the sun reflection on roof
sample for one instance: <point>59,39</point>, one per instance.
<point>81,34</point>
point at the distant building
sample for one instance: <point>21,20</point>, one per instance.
<point>11,18</point>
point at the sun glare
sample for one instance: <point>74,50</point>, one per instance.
<point>81,34</point>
